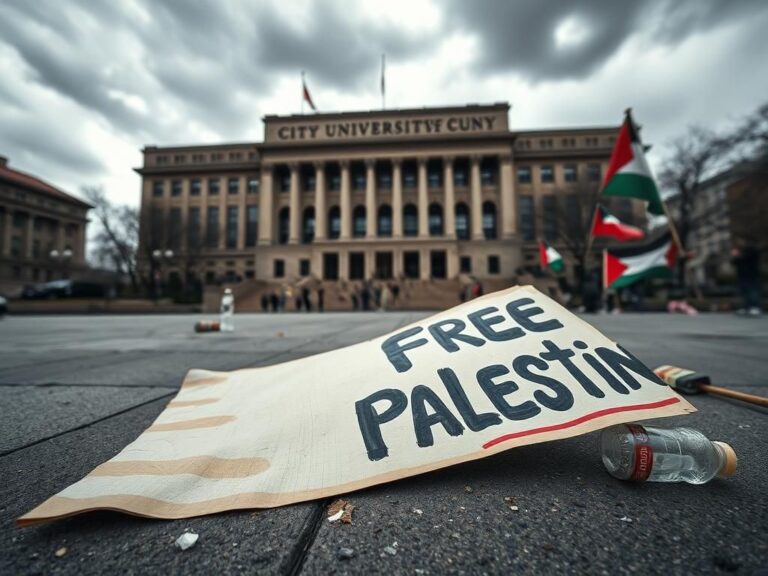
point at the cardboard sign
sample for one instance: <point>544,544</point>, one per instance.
<point>505,370</point>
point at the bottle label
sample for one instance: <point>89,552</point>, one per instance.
<point>643,454</point>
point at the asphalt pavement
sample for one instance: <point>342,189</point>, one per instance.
<point>75,390</point>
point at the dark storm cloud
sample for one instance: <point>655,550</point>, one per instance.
<point>520,36</point>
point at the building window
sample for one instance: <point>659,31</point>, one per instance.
<point>547,174</point>
<point>334,178</point>
<point>194,187</point>
<point>488,170</point>
<point>573,215</point>
<point>465,264</point>
<point>231,226</point>
<point>198,158</point>
<point>460,176</point>
<point>304,267</point>
<point>334,223</point>
<point>251,225</point>
<point>283,225</point>
<point>527,218</point>
<point>549,205</point>
<point>493,264</point>
<point>462,221</point>
<point>233,186</point>
<point>358,221</point>
<point>285,181</point>
<point>385,220</point>
<point>594,173</point>
<point>358,177</point>
<point>308,225</point>
<point>217,156</point>
<point>176,188</point>
<point>309,182</point>
<point>278,268</point>
<point>212,227</point>
<point>434,176</point>
<point>158,188</point>
<point>179,159</point>
<point>410,220</point>
<point>235,156</point>
<point>409,178</point>
<point>569,173</point>
<point>16,246</point>
<point>36,248</point>
<point>489,220</point>
<point>524,175</point>
<point>193,228</point>
<point>385,178</point>
<point>161,160</point>
<point>253,184</point>
<point>213,186</point>
<point>435,219</point>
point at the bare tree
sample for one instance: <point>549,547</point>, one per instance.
<point>116,240</point>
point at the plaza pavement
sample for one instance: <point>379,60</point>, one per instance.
<point>74,390</point>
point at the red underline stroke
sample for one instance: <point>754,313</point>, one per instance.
<point>580,420</point>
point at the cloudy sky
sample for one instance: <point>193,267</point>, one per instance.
<point>87,83</point>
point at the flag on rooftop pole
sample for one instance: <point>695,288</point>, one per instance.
<point>550,258</point>
<point>628,172</point>
<point>626,265</point>
<point>605,224</point>
<point>305,96</point>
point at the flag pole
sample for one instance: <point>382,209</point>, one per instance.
<point>383,84</point>
<point>302,91</point>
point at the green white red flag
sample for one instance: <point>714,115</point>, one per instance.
<point>550,258</point>
<point>628,172</point>
<point>607,225</point>
<point>625,266</point>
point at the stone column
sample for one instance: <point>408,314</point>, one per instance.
<point>346,202</point>
<point>507,189</point>
<point>266,201</point>
<point>477,199</point>
<point>294,234</point>
<point>423,199</point>
<point>449,208</point>
<point>370,199</point>
<point>397,198</point>
<point>321,210</point>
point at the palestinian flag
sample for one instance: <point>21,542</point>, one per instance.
<point>624,266</point>
<point>550,258</point>
<point>606,224</point>
<point>305,93</point>
<point>628,172</point>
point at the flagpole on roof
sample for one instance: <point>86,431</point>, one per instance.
<point>302,91</point>
<point>383,84</point>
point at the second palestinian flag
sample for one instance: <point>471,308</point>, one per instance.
<point>625,266</point>
<point>550,258</point>
<point>628,172</point>
<point>606,224</point>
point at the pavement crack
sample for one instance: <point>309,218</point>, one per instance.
<point>294,563</point>
<point>83,426</point>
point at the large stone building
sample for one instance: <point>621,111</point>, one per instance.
<point>42,231</point>
<point>419,193</point>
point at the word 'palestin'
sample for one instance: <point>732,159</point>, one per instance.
<point>499,382</point>
<point>404,127</point>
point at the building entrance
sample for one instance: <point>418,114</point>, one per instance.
<point>330,266</point>
<point>357,265</point>
<point>411,264</point>
<point>384,265</point>
<point>437,264</point>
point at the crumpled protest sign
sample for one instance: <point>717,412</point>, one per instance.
<point>505,370</point>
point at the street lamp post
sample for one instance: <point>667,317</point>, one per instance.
<point>159,257</point>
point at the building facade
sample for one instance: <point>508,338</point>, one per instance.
<point>42,231</point>
<point>419,193</point>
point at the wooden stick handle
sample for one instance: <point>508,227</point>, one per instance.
<point>751,398</point>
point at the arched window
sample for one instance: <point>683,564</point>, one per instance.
<point>308,225</point>
<point>410,220</point>
<point>283,225</point>
<point>358,221</point>
<point>489,220</point>
<point>385,220</point>
<point>462,221</point>
<point>334,222</point>
<point>435,219</point>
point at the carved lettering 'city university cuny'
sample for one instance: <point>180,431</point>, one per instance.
<point>382,128</point>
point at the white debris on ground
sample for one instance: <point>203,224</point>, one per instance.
<point>626,519</point>
<point>417,511</point>
<point>187,540</point>
<point>337,516</point>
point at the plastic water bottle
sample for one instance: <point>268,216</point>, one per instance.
<point>639,453</point>
<point>227,311</point>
